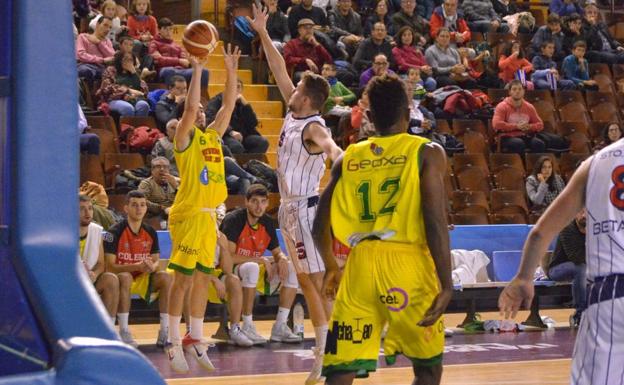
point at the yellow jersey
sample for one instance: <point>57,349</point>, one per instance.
<point>378,194</point>
<point>202,175</point>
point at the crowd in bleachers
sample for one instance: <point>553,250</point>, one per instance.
<point>460,61</point>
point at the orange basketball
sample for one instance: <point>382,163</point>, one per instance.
<point>200,38</point>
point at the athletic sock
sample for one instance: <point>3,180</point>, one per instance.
<point>164,321</point>
<point>247,320</point>
<point>320,336</point>
<point>174,329</point>
<point>282,315</point>
<point>122,318</point>
<point>197,328</point>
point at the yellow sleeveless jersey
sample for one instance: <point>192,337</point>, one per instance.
<point>202,175</point>
<point>378,193</point>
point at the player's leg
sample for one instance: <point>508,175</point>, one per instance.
<point>280,332</point>
<point>194,343</point>
<point>234,292</point>
<point>123,309</point>
<point>249,273</point>
<point>317,281</point>
<point>107,286</point>
<point>162,284</point>
<point>427,375</point>
<point>179,290</point>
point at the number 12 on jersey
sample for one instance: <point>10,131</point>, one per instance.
<point>386,191</point>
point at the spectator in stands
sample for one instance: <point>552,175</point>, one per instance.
<point>425,8</point>
<point>169,57</point>
<point>576,68</point>
<point>306,10</point>
<point>549,32</point>
<point>602,47</point>
<point>545,75</point>
<point>371,47</point>
<point>360,121</point>
<point>142,25</point>
<point>160,188</point>
<point>122,87</point>
<point>277,25</point>
<point>250,232</point>
<point>516,122</point>
<point>379,68</point>
<point>92,258</point>
<point>568,263</point>
<point>109,8</point>
<point>164,146</point>
<point>513,65</point>
<point>572,32</point>
<point>346,26</point>
<point>305,53</point>
<point>447,16</point>
<point>242,135</point>
<point>446,62</point>
<point>407,16</point>
<point>340,97</point>
<point>143,64</point>
<point>94,51</point>
<point>611,134</point>
<point>407,56</point>
<point>481,17</point>
<point>132,252</point>
<point>565,7</point>
<point>543,185</point>
<point>380,15</point>
<point>506,8</point>
<point>422,121</point>
<point>89,143</point>
<point>168,107</point>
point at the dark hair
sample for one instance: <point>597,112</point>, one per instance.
<point>118,61</point>
<point>175,79</point>
<point>388,101</point>
<point>605,133</point>
<point>102,18</point>
<point>443,29</point>
<point>134,194</point>
<point>133,10</point>
<point>123,38</point>
<point>553,18</point>
<point>164,22</point>
<point>256,189</point>
<point>579,43</point>
<point>537,168</point>
<point>514,82</point>
<point>545,43</point>
<point>398,36</point>
<point>377,4</point>
<point>84,198</point>
<point>316,88</point>
<point>571,17</point>
<point>508,47</point>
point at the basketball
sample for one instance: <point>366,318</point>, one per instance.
<point>200,38</point>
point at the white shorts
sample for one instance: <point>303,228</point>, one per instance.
<point>295,220</point>
<point>599,348</point>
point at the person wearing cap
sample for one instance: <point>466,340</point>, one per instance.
<point>305,10</point>
<point>250,232</point>
<point>169,58</point>
<point>305,53</point>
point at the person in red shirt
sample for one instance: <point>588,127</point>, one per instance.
<point>131,251</point>
<point>250,232</point>
<point>305,52</point>
<point>169,58</point>
<point>447,16</point>
<point>141,24</point>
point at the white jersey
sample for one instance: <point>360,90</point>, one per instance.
<point>299,172</point>
<point>605,212</point>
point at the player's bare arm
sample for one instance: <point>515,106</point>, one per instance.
<point>191,107</point>
<point>274,58</point>
<point>317,138</point>
<point>436,226</point>
<point>561,212</point>
<point>321,232</point>
<point>117,268</point>
<point>225,257</point>
<point>223,116</point>
<point>281,261</point>
<point>100,265</point>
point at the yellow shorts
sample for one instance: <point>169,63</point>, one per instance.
<point>384,282</point>
<point>142,285</point>
<point>194,241</point>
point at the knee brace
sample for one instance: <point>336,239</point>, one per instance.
<point>248,273</point>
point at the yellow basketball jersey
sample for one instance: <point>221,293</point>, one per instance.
<point>378,193</point>
<point>202,175</point>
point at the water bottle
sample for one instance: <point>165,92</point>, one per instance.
<point>298,316</point>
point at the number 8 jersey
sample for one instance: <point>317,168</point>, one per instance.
<point>605,212</point>
<point>378,194</point>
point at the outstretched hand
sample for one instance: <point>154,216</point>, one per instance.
<point>517,293</point>
<point>261,15</point>
<point>231,55</point>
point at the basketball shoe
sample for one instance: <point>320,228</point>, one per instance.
<point>199,350</point>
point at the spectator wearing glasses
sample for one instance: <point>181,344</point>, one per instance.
<point>160,188</point>
<point>371,47</point>
<point>379,67</point>
<point>448,16</point>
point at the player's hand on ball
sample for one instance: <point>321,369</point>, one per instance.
<point>517,293</point>
<point>261,15</point>
<point>437,308</point>
<point>231,56</point>
<point>331,283</point>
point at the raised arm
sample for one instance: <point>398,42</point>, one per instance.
<point>191,108</point>
<point>275,60</point>
<point>222,119</point>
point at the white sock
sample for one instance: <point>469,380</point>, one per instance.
<point>122,318</point>
<point>197,328</point>
<point>282,315</point>
<point>174,329</point>
<point>187,321</point>
<point>320,336</point>
<point>164,321</point>
<point>248,319</point>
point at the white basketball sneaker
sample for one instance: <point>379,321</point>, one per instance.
<point>317,367</point>
<point>237,337</point>
<point>280,332</point>
<point>250,331</point>
<point>199,350</point>
<point>177,361</point>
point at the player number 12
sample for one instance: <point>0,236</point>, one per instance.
<point>388,186</point>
